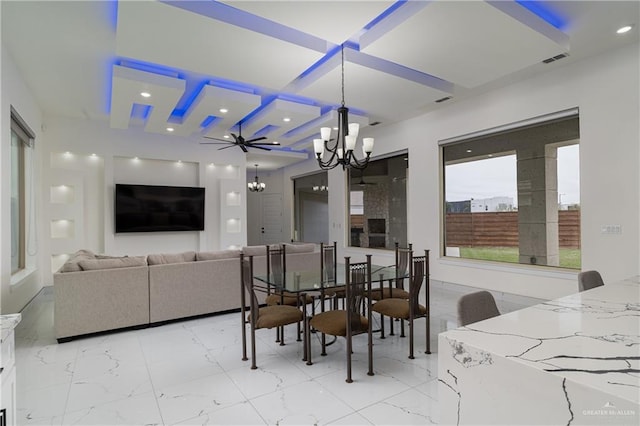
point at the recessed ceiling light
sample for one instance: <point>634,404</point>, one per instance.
<point>469,150</point>
<point>490,155</point>
<point>286,119</point>
<point>145,94</point>
<point>624,29</point>
<point>226,136</point>
<point>170,129</point>
<point>224,110</point>
<point>276,143</point>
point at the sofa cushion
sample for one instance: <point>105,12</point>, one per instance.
<point>216,255</point>
<point>119,262</point>
<point>72,265</point>
<point>300,248</point>
<point>255,250</point>
<point>162,259</point>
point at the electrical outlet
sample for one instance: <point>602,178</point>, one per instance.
<point>611,229</point>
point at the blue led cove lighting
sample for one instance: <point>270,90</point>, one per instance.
<point>543,12</point>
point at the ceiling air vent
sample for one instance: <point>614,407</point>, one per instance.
<point>555,58</point>
<point>446,98</point>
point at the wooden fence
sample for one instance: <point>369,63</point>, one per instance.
<point>500,229</point>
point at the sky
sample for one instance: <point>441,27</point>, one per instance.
<point>496,177</point>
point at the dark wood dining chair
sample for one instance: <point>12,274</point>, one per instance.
<point>395,288</point>
<point>410,309</point>
<point>589,279</point>
<point>274,316</point>
<point>276,270</point>
<point>347,322</point>
<point>474,307</point>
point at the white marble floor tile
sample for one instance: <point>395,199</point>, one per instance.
<point>354,419</point>
<point>272,374</point>
<point>41,405</point>
<point>196,398</point>
<point>191,367</point>
<point>365,390</point>
<point>32,374</point>
<point>239,414</point>
<point>121,382</point>
<point>307,403</point>
<point>407,408</point>
<point>135,410</point>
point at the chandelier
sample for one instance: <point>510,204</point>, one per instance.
<point>256,185</point>
<point>341,152</point>
<point>320,188</point>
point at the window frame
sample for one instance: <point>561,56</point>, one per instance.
<point>481,138</point>
<point>25,138</point>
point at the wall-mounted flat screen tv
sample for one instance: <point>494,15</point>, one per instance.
<point>151,208</point>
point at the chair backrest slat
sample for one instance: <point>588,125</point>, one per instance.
<point>402,263</point>
<point>247,279</point>
<point>276,264</point>
<point>328,261</point>
<point>358,290</point>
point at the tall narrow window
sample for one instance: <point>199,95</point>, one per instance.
<point>20,142</point>
<point>512,195</point>
<point>378,203</point>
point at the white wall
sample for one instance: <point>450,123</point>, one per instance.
<point>606,91</point>
<point>157,164</point>
<point>16,291</point>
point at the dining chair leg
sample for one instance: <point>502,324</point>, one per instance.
<point>382,326</point>
<point>244,335</point>
<point>306,332</point>
<point>410,337</point>
<point>349,350</point>
<point>253,347</point>
<point>391,332</point>
<point>402,328</point>
<point>281,335</point>
<point>324,345</point>
<point>307,338</point>
<point>428,334</point>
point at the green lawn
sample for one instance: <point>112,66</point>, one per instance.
<point>569,258</point>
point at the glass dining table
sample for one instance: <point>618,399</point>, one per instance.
<point>313,281</point>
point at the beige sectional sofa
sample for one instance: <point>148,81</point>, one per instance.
<point>96,293</point>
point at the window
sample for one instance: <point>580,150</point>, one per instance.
<point>20,142</point>
<point>512,195</point>
<point>378,203</point>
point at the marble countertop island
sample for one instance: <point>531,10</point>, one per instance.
<point>574,360</point>
<point>7,324</point>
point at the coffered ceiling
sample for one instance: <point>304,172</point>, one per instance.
<point>275,66</point>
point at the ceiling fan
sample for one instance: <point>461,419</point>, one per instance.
<point>238,140</point>
<point>362,183</point>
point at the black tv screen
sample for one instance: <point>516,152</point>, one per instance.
<point>151,208</point>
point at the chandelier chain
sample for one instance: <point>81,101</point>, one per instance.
<point>342,61</point>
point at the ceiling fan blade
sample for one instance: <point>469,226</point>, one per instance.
<point>266,143</point>
<point>256,139</point>
<point>259,147</point>
<point>216,139</point>
<point>244,148</point>
<point>217,143</point>
<point>225,147</point>
<point>238,139</point>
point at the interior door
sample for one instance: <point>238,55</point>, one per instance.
<point>271,207</point>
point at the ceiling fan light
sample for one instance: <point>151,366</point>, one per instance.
<point>325,133</point>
